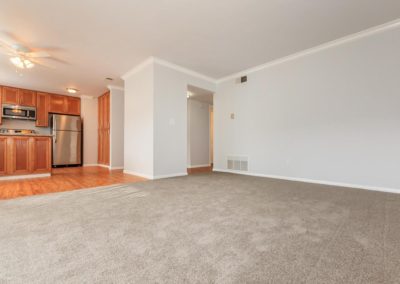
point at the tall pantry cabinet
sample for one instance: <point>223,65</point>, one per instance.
<point>104,129</point>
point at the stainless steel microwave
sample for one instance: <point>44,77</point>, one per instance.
<point>18,112</point>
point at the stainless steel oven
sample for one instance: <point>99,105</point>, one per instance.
<point>18,112</point>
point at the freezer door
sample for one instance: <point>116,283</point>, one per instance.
<point>67,148</point>
<point>66,122</point>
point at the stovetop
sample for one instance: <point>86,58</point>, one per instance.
<point>17,131</point>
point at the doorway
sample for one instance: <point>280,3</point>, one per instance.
<point>200,130</point>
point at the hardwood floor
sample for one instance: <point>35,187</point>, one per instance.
<point>65,179</point>
<point>192,171</point>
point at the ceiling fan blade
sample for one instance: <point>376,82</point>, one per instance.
<point>37,54</point>
<point>5,46</point>
<point>35,61</point>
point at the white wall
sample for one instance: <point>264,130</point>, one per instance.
<point>89,114</point>
<point>156,119</point>
<point>198,133</point>
<point>139,122</point>
<point>116,128</point>
<point>170,119</point>
<point>331,116</point>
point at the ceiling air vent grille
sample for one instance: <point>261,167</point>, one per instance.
<point>238,163</point>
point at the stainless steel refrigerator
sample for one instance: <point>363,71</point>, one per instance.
<point>67,139</point>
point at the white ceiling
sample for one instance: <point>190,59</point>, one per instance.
<point>94,39</point>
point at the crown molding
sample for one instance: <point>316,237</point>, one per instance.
<point>155,60</point>
<point>138,67</point>
<point>183,70</point>
<point>324,46</point>
<point>113,87</point>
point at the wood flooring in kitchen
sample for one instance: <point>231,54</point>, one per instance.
<point>65,179</point>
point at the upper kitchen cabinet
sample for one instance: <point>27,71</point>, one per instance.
<point>42,109</point>
<point>26,98</point>
<point>57,104</point>
<point>9,95</point>
<point>73,106</point>
<point>17,96</point>
<point>65,105</point>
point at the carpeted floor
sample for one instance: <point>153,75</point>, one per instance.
<point>208,228</point>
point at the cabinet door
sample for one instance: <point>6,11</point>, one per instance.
<point>100,101</point>
<point>10,95</point>
<point>106,147</point>
<point>106,111</point>
<point>27,98</point>
<point>41,154</point>
<point>1,109</point>
<point>58,104</point>
<point>42,110</point>
<point>100,158</point>
<point>3,155</point>
<point>19,155</point>
<point>74,106</point>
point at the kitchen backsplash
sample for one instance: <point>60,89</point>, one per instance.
<point>23,124</point>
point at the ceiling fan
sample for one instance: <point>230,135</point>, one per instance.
<point>22,56</point>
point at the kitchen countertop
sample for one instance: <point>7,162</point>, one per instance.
<point>26,134</point>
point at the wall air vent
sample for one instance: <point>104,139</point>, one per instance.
<point>238,163</point>
<point>243,79</point>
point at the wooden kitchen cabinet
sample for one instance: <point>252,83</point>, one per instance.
<point>26,98</point>
<point>42,109</point>
<point>3,155</point>
<point>9,95</point>
<point>15,96</point>
<point>40,148</point>
<point>65,105</point>
<point>23,155</point>
<point>73,106</point>
<point>19,155</point>
<point>57,104</point>
<point>104,129</point>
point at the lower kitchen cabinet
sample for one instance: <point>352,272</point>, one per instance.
<point>3,155</point>
<point>24,155</point>
<point>41,155</point>
<point>19,155</point>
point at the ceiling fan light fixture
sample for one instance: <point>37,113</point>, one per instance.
<point>28,64</point>
<point>72,90</point>
<point>21,63</point>
<point>17,62</point>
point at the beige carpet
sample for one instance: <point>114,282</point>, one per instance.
<point>209,228</point>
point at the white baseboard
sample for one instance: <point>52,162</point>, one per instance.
<point>198,166</point>
<point>170,176</point>
<point>104,166</point>
<point>138,174</point>
<point>153,177</point>
<point>25,176</point>
<point>339,184</point>
<point>117,168</point>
